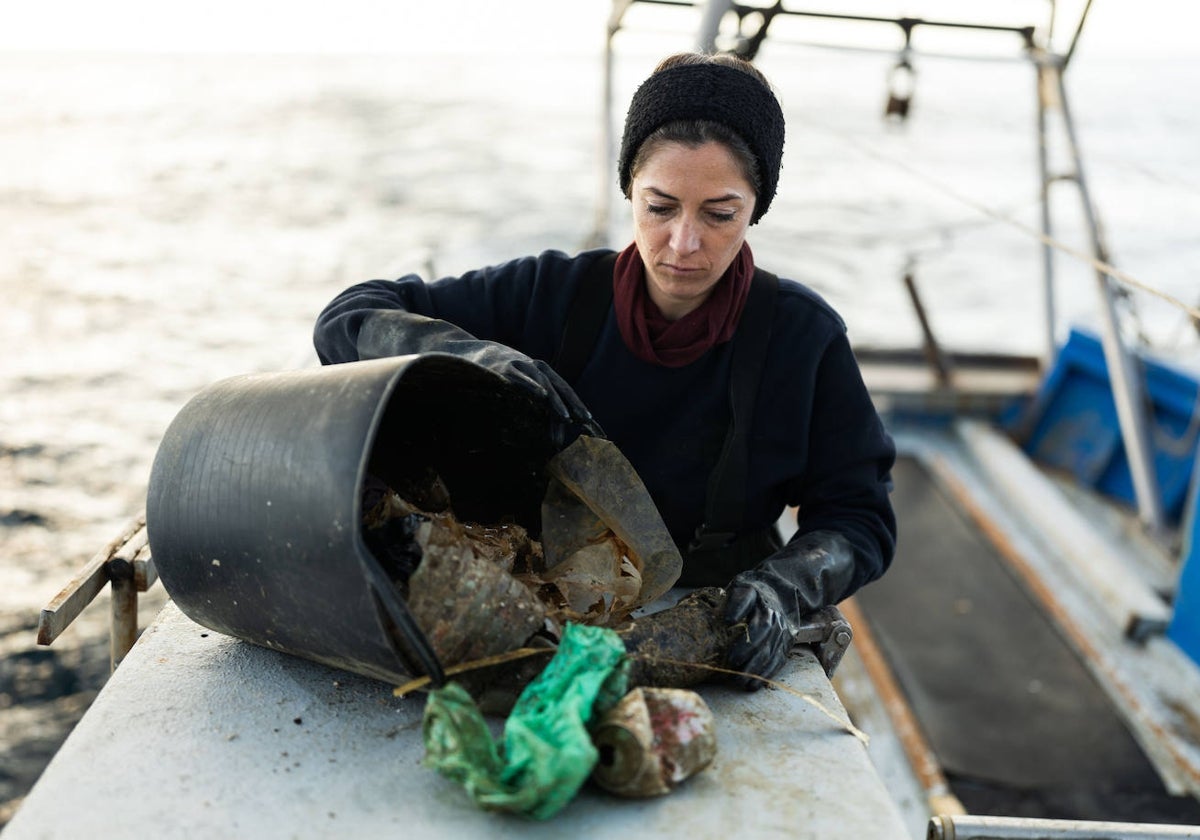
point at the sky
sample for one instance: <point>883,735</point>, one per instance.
<point>296,26</point>
<point>1150,27</point>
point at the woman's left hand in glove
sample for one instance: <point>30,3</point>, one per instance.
<point>810,572</point>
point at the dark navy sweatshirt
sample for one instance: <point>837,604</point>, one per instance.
<point>816,441</point>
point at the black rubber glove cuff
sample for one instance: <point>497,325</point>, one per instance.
<point>396,332</point>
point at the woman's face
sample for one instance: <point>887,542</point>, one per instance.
<point>691,209</point>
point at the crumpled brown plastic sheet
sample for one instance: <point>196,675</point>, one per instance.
<point>484,590</point>
<point>466,601</point>
<point>604,541</point>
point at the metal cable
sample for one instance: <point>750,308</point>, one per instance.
<point>944,188</point>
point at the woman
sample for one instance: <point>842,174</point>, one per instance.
<point>733,393</point>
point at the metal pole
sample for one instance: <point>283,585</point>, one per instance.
<point>929,344</point>
<point>968,827</point>
<point>604,208</point>
<point>1066,59</point>
<point>1122,370</point>
<point>1043,94</point>
<point>710,24</point>
<point>123,607</point>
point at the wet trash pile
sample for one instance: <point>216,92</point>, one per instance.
<point>605,698</point>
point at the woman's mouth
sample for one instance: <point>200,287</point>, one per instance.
<point>682,270</point>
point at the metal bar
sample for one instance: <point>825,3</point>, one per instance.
<point>921,757</point>
<point>123,630</point>
<point>1125,379</point>
<point>903,22</point>
<point>1066,59</point>
<point>130,549</point>
<point>710,24</point>
<point>123,607</point>
<point>929,343</point>
<point>1043,93</point>
<point>970,827</point>
<point>66,606</point>
<point>144,571</point>
<point>1124,595</point>
<point>908,23</point>
<point>604,208</point>
<point>1026,32</point>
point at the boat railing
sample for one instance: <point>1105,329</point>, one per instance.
<point>127,568</point>
<point>1036,43</point>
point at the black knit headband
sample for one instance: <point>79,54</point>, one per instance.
<point>712,92</point>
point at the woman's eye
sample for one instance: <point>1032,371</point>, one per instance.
<point>722,216</point>
<point>658,209</point>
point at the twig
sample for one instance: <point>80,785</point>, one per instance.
<point>473,665</point>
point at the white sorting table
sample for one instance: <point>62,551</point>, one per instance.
<point>201,735</point>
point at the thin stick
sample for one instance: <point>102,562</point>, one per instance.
<point>808,698</point>
<point>473,665</point>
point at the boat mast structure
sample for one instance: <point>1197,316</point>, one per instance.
<point>750,25</point>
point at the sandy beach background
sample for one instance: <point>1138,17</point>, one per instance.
<point>176,211</point>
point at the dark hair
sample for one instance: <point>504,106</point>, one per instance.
<point>695,133</point>
<point>693,99</point>
<point>692,59</point>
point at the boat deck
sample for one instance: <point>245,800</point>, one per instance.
<point>1007,633</point>
<point>1021,727</point>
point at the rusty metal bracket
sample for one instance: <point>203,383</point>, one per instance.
<point>829,634</point>
<point>126,564</point>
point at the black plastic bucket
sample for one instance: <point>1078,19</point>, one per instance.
<point>254,509</point>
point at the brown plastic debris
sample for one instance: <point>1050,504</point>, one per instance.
<point>596,496</point>
<point>463,596</point>
<point>481,590</point>
<point>652,741</point>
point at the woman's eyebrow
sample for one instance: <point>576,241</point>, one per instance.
<point>727,197</point>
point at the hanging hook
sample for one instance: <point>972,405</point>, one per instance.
<point>902,78</point>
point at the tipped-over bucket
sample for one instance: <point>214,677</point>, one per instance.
<point>254,507</point>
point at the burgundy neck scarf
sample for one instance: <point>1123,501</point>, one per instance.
<point>652,338</point>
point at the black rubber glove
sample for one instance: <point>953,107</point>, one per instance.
<point>810,572</point>
<point>397,333</point>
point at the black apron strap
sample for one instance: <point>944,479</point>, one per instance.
<point>725,509</point>
<point>585,319</point>
<point>716,552</point>
<point>717,566</point>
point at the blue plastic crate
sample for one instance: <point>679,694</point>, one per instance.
<point>1074,424</point>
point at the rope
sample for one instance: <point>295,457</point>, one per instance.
<point>1100,266</point>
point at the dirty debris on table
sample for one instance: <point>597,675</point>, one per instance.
<point>652,741</point>
<point>479,590</point>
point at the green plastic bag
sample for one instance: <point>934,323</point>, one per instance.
<point>547,753</point>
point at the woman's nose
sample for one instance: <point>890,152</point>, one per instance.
<point>685,237</point>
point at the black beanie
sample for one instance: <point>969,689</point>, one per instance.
<point>713,92</point>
